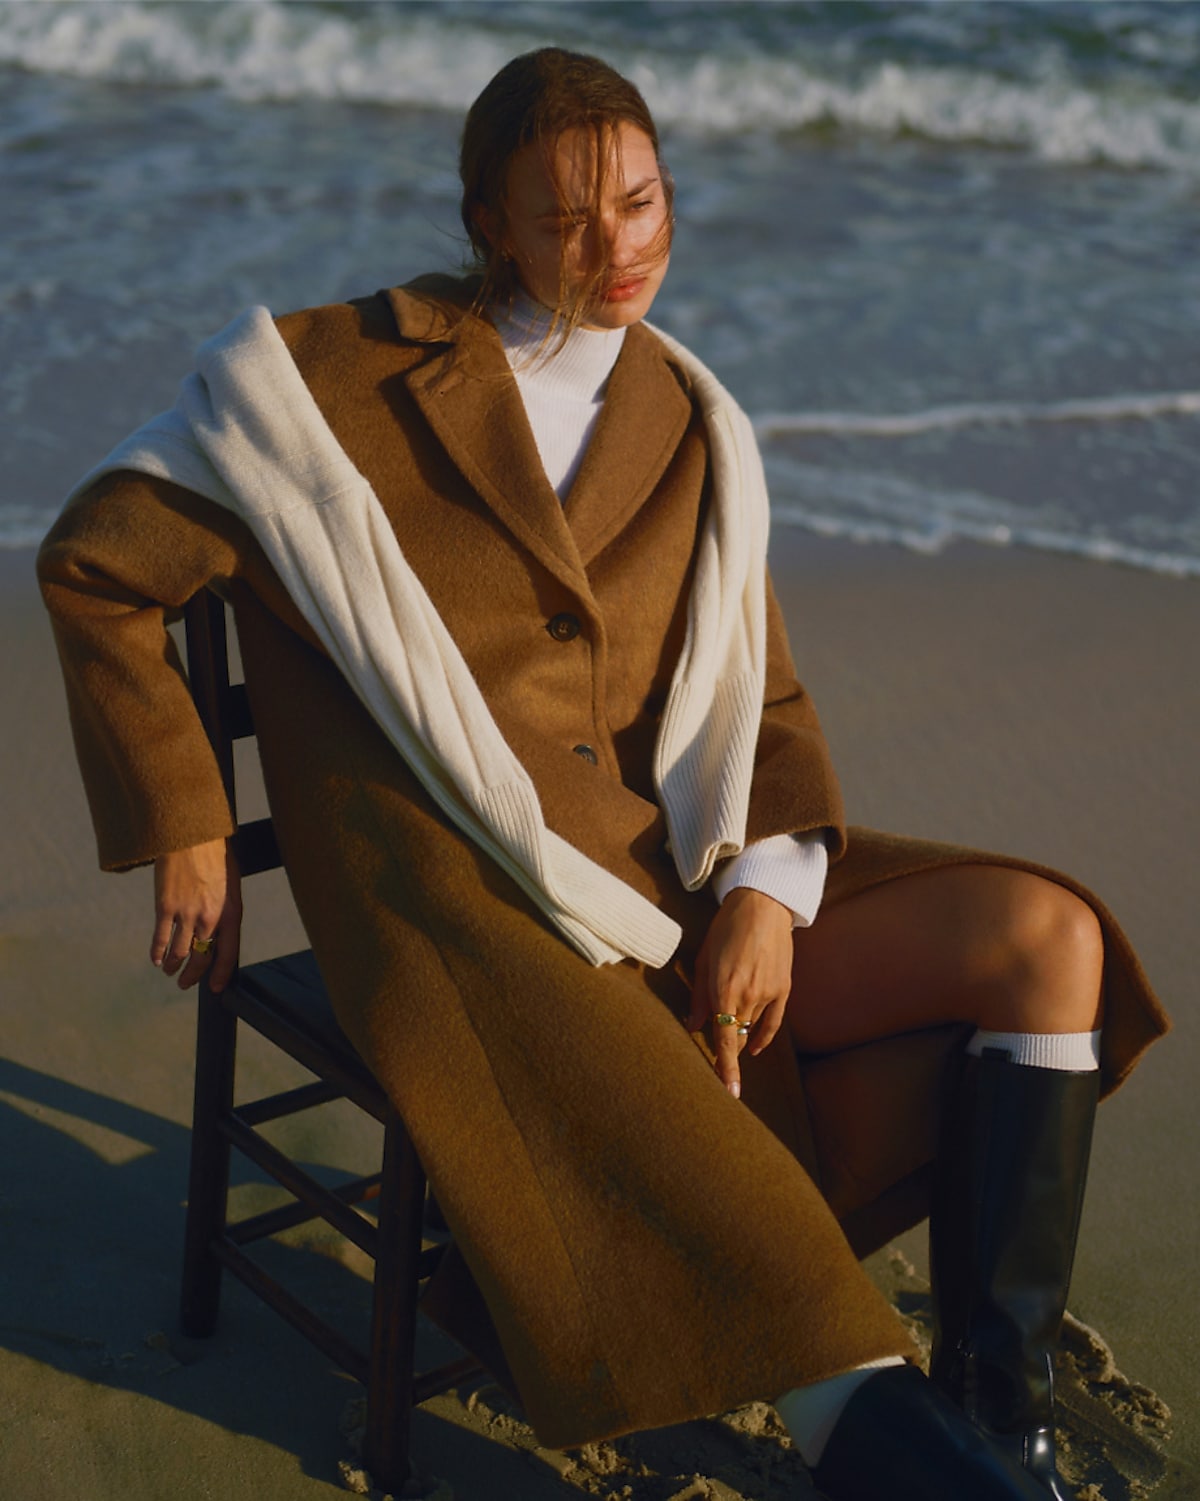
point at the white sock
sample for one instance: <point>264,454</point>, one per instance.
<point>810,1413</point>
<point>1072,1052</point>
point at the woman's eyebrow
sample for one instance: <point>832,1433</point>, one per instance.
<point>574,211</point>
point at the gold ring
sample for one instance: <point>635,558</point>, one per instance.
<point>726,1019</point>
<point>202,945</point>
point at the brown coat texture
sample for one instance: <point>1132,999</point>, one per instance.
<point>633,1246</point>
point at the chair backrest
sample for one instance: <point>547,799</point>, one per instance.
<point>224,710</point>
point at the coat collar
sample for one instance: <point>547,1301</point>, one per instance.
<point>465,391</point>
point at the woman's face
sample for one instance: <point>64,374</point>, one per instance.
<point>560,239</point>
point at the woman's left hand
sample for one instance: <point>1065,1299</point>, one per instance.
<point>744,969</point>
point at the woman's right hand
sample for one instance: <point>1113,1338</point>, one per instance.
<point>197,895</point>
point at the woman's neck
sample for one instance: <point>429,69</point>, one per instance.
<point>562,382</point>
<point>580,362</point>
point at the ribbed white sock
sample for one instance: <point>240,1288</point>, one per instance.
<point>810,1413</point>
<point>1072,1052</point>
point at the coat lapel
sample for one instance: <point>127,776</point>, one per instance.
<point>644,417</point>
<point>466,394</point>
<point>465,391</point>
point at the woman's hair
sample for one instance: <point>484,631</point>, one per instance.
<point>536,98</point>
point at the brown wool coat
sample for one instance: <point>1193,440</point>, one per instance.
<point>634,1247</point>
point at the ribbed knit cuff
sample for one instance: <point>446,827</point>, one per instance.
<point>1071,1052</point>
<point>791,868</point>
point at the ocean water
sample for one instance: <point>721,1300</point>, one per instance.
<point>946,254</point>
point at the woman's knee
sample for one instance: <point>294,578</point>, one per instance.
<point>983,944</point>
<point>1050,950</point>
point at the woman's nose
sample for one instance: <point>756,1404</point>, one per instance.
<point>613,241</point>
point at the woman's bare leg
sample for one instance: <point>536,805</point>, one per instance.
<point>1001,948</point>
<point>1012,953</point>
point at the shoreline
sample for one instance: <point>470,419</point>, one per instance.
<point>1000,538</point>
<point>1160,565</point>
<point>1018,700</point>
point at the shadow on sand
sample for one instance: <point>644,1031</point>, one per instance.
<point>92,1199</point>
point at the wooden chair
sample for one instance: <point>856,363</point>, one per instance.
<point>284,999</point>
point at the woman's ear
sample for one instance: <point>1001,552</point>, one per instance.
<point>486,221</point>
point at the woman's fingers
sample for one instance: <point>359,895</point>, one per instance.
<point>197,961</point>
<point>708,988</point>
<point>743,977</point>
<point>160,942</point>
<point>727,1044</point>
<point>197,918</point>
<point>769,1021</point>
<point>224,956</point>
<point>189,928</point>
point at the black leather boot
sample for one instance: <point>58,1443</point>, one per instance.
<point>1004,1217</point>
<point>900,1439</point>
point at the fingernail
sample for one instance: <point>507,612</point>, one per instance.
<point>735,1089</point>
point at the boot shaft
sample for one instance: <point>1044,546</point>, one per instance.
<point>1004,1219</point>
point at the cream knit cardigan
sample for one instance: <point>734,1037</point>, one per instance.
<point>247,433</point>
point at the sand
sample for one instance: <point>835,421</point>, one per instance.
<point>1021,701</point>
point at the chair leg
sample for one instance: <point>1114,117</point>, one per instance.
<point>434,1218</point>
<point>394,1315</point>
<point>208,1183</point>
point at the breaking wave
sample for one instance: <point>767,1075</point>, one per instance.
<point>785,68</point>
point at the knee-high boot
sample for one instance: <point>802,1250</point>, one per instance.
<point>1007,1198</point>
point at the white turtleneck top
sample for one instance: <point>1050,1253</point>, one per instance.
<point>562,384</point>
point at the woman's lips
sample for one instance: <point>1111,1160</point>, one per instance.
<point>622,291</point>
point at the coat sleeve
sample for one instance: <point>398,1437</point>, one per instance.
<point>118,564</point>
<point>794,787</point>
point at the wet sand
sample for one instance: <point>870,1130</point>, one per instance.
<point>1013,700</point>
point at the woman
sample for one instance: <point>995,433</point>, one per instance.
<point>546,787</point>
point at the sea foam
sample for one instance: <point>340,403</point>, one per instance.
<point>787,80</point>
<point>1121,408</point>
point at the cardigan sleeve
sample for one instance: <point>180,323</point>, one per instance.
<point>121,559</point>
<point>794,787</point>
<point>791,868</point>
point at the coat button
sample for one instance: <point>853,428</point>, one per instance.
<point>564,627</point>
<point>587,753</point>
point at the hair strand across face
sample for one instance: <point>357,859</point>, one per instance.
<point>539,98</point>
